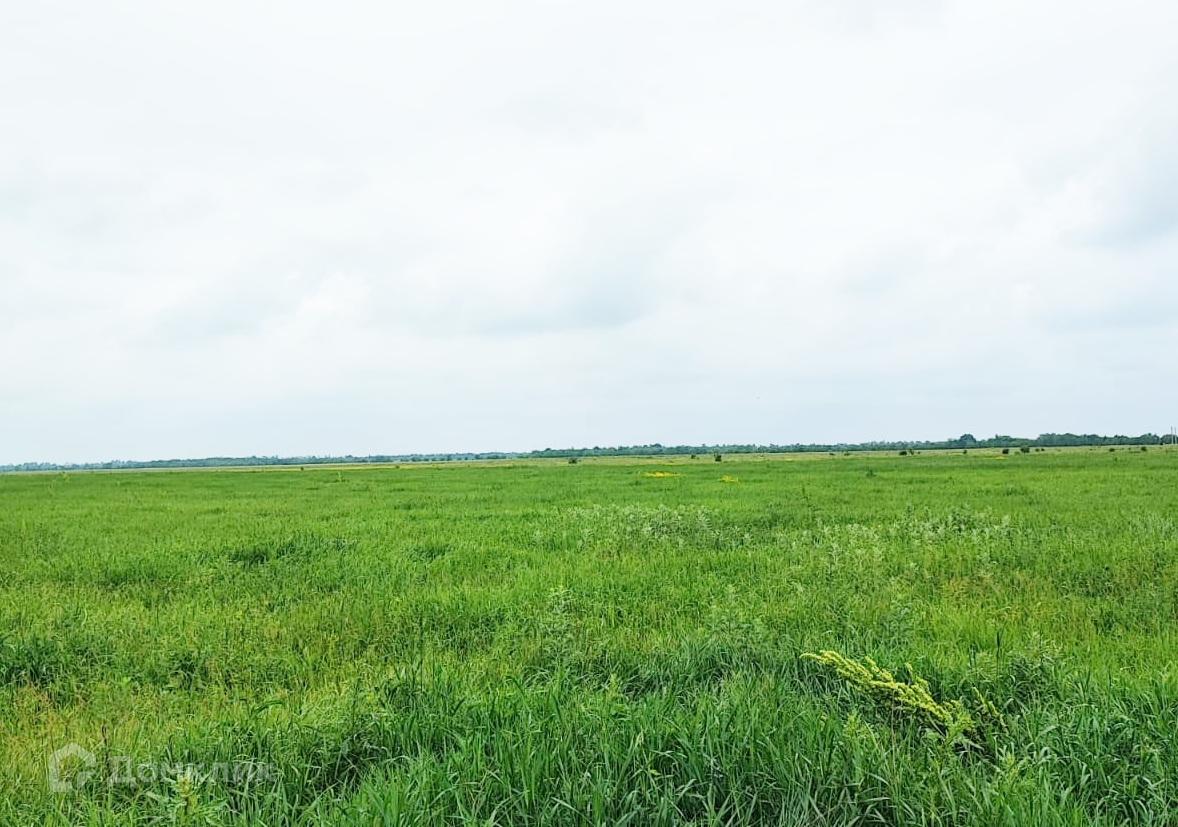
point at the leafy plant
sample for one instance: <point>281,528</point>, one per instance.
<point>913,700</point>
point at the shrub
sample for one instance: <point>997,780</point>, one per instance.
<point>1026,449</point>
<point>1006,450</point>
<point>718,457</point>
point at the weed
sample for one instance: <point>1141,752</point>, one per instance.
<point>913,700</point>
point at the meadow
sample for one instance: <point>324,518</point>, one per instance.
<point>940,638</point>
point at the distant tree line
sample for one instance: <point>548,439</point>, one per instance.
<point>964,442</point>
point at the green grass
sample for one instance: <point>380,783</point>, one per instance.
<point>545,643</point>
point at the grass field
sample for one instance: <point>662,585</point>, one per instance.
<point>611,642</point>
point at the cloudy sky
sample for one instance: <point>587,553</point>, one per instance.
<point>258,228</point>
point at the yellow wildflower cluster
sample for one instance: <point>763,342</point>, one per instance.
<point>914,699</point>
<point>659,474</point>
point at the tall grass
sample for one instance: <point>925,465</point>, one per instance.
<point>538,643</point>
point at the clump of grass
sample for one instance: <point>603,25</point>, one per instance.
<point>302,546</point>
<point>425,552</point>
<point>36,659</point>
<point>913,700</point>
<point>257,553</point>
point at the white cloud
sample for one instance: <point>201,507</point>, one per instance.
<point>261,228</point>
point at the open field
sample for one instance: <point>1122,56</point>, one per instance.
<point>611,642</point>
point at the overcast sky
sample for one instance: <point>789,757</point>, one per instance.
<point>302,228</point>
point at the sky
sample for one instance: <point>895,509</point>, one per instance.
<point>298,228</point>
